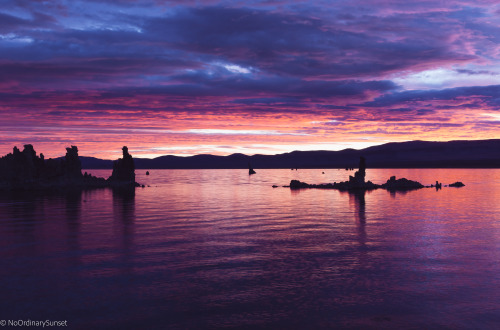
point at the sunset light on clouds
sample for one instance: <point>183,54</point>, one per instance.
<point>220,77</point>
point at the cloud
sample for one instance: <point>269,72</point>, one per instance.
<point>348,66</point>
<point>487,95</point>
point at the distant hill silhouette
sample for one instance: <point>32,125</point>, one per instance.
<point>414,154</point>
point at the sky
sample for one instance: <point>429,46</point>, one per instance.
<point>253,77</point>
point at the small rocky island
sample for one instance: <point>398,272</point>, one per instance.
<point>24,170</point>
<point>357,182</point>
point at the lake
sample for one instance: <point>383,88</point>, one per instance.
<point>222,249</point>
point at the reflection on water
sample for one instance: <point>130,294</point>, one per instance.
<point>124,215</point>
<point>124,204</point>
<point>217,248</point>
<point>359,214</point>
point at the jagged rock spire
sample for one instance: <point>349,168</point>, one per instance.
<point>123,168</point>
<point>359,175</point>
<point>72,164</point>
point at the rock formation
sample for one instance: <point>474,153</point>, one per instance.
<point>123,170</point>
<point>27,171</point>
<point>401,184</point>
<point>359,175</point>
<point>357,182</point>
<point>72,167</point>
<point>250,170</point>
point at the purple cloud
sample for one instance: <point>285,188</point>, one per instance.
<point>355,61</point>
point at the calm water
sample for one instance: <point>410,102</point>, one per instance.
<point>217,248</point>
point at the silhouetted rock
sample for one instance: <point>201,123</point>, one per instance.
<point>72,167</point>
<point>437,185</point>
<point>401,184</point>
<point>27,171</point>
<point>250,170</point>
<point>355,185</point>
<point>357,182</point>
<point>359,175</point>
<point>123,170</point>
<point>296,184</point>
<point>147,172</point>
<point>457,184</point>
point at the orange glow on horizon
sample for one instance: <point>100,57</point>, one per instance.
<point>149,135</point>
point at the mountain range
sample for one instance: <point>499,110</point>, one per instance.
<point>413,154</point>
